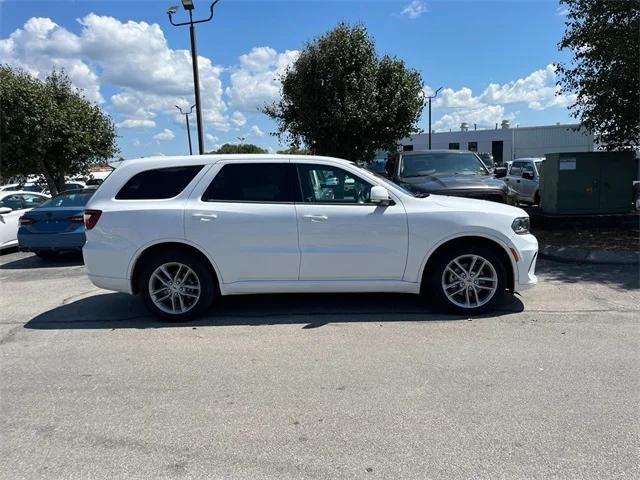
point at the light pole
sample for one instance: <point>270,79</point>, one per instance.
<point>188,6</point>
<point>186,116</point>
<point>430,97</point>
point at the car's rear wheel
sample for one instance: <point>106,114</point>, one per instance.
<point>176,286</point>
<point>467,280</point>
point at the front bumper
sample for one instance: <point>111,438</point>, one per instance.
<point>527,248</point>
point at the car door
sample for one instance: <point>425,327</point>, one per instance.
<point>9,221</point>
<point>528,186</point>
<point>243,214</point>
<point>342,235</point>
<point>514,177</point>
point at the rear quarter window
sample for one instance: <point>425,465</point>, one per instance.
<point>158,184</point>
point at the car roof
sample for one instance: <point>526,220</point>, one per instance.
<point>13,192</point>
<point>208,159</point>
<point>441,150</point>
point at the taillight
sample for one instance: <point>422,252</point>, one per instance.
<point>91,218</point>
<point>25,222</point>
<point>77,219</point>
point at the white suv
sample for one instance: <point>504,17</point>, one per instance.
<point>182,230</point>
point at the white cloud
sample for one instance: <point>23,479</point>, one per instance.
<point>537,90</point>
<point>134,57</point>
<point>41,45</point>
<point>238,119</point>
<point>211,138</point>
<point>255,131</point>
<point>414,9</point>
<point>484,117</point>
<point>255,82</point>
<point>164,135</point>
<point>136,123</point>
<point>562,11</point>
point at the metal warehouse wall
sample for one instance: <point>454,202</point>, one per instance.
<point>517,142</point>
<point>536,141</point>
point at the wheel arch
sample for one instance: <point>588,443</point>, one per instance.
<point>167,245</point>
<point>451,243</point>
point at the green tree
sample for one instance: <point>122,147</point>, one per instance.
<point>48,128</point>
<point>295,151</point>
<point>604,72</point>
<point>240,148</point>
<point>340,98</point>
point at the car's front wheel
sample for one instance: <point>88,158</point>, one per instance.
<point>467,280</point>
<point>176,286</point>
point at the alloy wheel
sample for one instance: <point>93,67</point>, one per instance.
<point>469,281</point>
<point>174,288</point>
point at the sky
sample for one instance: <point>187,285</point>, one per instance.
<point>494,60</point>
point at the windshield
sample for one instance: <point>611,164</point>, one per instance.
<point>79,199</point>
<point>443,164</point>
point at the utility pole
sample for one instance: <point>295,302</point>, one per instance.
<point>189,6</point>
<point>186,116</point>
<point>430,97</point>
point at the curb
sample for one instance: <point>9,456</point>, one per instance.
<point>582,255</point>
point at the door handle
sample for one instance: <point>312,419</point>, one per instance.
<point>316,218</point>
<point>205,217</point>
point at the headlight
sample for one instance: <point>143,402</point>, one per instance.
<point>521,225</point>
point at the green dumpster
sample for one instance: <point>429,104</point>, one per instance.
<point>587,182</point>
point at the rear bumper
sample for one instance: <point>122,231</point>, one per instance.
<point>51,241</point>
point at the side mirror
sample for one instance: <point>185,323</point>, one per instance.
<point>5,210</point>
<point>500,172</point>
<point>379,194</point>
<point>527,175</point>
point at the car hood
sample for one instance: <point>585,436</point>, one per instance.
<point>461,204</point>
<point>453,183</point>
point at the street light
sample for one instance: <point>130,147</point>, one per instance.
<point>430,97</point>
<point>189,6</point>
<point>186,116</point>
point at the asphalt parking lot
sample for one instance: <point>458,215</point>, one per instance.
<point>325,386</point>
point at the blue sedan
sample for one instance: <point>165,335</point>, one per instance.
<point>55,226</point>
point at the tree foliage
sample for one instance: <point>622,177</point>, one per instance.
<point>295,151</point>
<point>48,128</point>
<point>604,72</point>
<point>340,98</point>
<point>239,148</point>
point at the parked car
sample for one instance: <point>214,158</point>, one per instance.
<point>55,226</point>
<point>182,230</point>
<point>12,206</point>
<point>24,187</point>
<point>523,177</point>
<point>447,172</point>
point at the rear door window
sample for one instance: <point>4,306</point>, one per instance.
<point>158,184</point>
<point>254,182</point>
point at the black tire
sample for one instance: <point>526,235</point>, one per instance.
<point>207,282</point>
<point>46,254</point>
<point>433,279</point>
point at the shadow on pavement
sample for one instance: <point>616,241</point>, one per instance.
<point>33,261</point>
<point>117,310</point>
<point>620,276</point>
